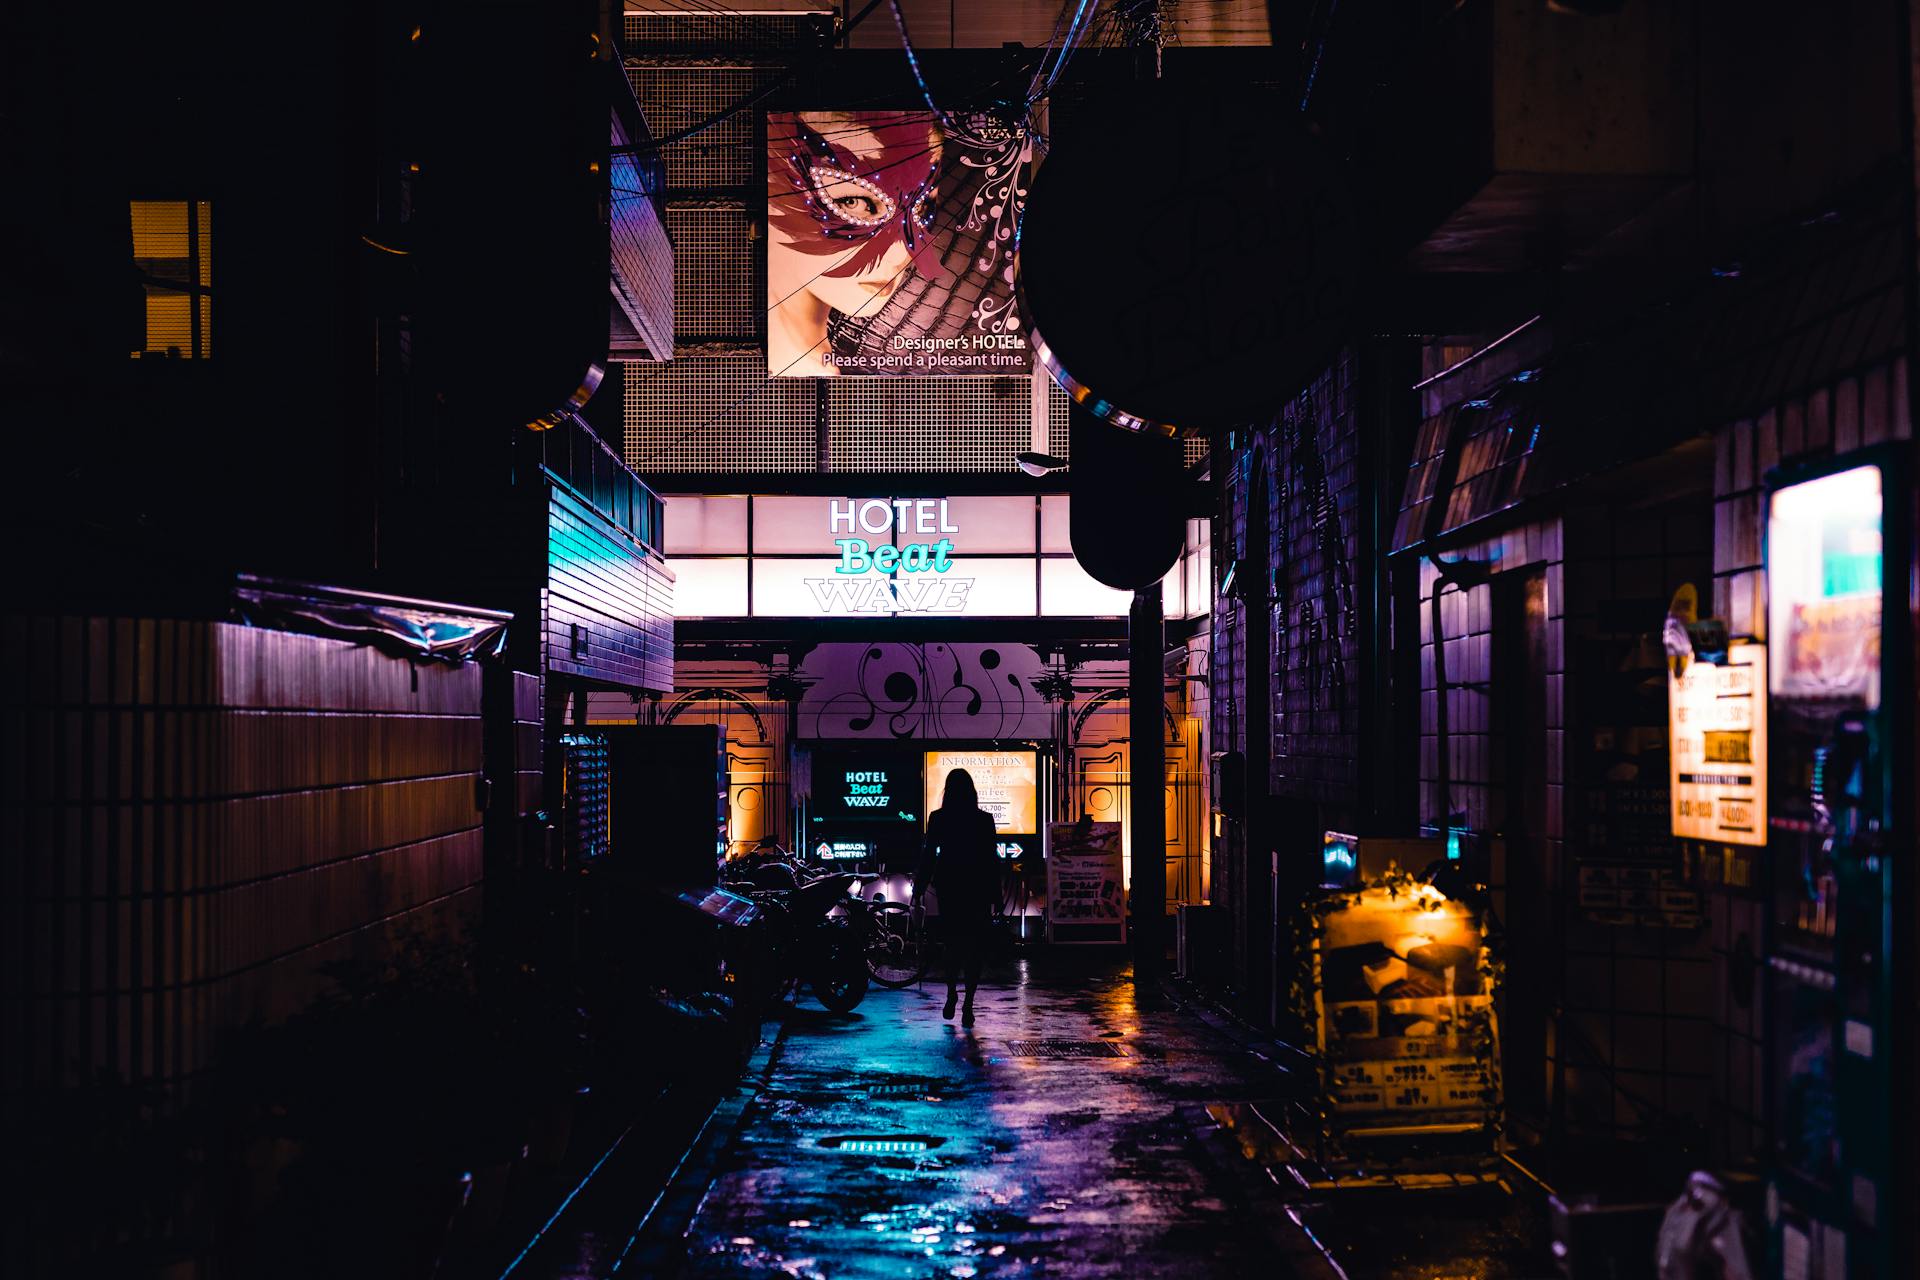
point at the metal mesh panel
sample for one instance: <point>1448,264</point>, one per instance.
<point>1057,406</point>
<point>719,413</point>
<point>735,33</point>
<point>712,273</point>
<point>928,424</point>
<point>725,154</point>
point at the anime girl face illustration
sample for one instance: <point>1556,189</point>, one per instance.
<point>849,213</point>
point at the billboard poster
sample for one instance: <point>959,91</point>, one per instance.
<point>890,237</point>
<point>1717,728</point>
<point>1008,783</point>
<point>1086,887</point>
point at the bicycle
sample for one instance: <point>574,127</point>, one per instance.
<point>896,943</point>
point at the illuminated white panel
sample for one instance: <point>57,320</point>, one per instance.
<point>1001,588</point>
<point>983,524</point>
<point>804,524</point>
<point>709,588</point>
<point>1055,509</point>
<point>1068,591</point>
<point>708,525</point>
<point>1173,592</point>
<point>811,589</point>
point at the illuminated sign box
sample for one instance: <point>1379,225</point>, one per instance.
<point>1008,783</point>
<point>1717,757</point>
<point>866,787</point>
<point>1824,574</point>
<point>842,850</point>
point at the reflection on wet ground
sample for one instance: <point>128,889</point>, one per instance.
<point>892,1143</point>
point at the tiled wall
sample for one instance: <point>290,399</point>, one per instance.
<point>1865,409</point>
<point>1633,1047</point>
<point>199,816</point>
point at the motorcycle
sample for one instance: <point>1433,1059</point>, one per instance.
<point>816,933</point>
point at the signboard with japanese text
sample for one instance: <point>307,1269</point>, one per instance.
<point>1086,886</point>
<point>1717,758</point>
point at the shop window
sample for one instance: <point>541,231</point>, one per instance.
<point>173,252</point>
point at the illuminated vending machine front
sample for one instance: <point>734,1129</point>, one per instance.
<point>1834,543</point>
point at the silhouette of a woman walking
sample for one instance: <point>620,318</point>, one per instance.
<point>958,859</point>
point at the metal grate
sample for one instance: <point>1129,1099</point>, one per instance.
<point>727,153</point>
<point>719,413</point>
<point>1064,1049</point>
<point>1057,406</point>
<point>713,273</point>
<point>762,34</point>
<point>928,424</point>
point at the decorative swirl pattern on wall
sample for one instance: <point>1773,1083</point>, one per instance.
<point>932,691</point>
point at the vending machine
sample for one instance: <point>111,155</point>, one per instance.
<point>1841,710</point>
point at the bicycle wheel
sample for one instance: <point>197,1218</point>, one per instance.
<point>896,944</point>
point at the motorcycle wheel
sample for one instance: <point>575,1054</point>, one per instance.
<point>842,981</point>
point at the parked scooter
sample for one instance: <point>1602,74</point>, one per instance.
<point>816,932</point>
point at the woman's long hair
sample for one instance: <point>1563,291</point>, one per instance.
<point>959,794</point>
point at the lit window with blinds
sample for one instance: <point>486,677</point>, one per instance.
<point>173,251</point>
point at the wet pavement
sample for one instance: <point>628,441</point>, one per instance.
<point>889,1142</point>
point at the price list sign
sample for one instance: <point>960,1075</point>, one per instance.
<point>1717,728</point>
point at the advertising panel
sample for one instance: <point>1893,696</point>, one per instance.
<point>866,787</point>
<point>1008,783</point>
<point>1824,587</point>
<point>1717,733</point>
<point>1086,887</point>
<point>1405,1009</point>
<point>890,238</point>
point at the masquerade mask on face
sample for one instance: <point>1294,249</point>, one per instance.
<point>833,196</point>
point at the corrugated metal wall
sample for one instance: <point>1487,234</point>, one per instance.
<point>198,816</point>
<point>608,601</point>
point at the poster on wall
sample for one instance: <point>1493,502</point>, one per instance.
<point>1008,783</point>
<point>1717,761</point>
<point>1086,886</point>
<point>890,238</point>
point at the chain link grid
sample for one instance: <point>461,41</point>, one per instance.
<point>771,428</point>
<point>928,424</point>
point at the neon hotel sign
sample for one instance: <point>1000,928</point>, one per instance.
<point>881,577</point>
